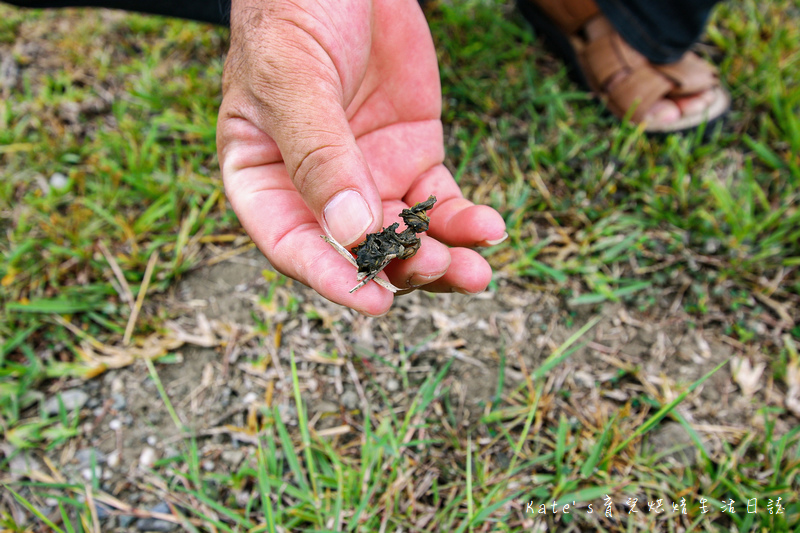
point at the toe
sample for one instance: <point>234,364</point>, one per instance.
<point>663,112</point>
<point>695,104</point>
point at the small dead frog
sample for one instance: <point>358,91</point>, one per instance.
<point>380,248</point>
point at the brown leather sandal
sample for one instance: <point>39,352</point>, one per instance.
<point>638,83</point>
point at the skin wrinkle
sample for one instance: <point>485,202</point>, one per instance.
<point>243,153</point>
<point>379,96</point>
<point>329,48</point>
<point>357,103</point>
<point>410,147</point>
<point>290,232</point>
<point>276,58</point>
<point>387,102</point>
<point>232,168</point>
<point>444,197</point>
<point>440,201</point>
<point>266,186</point>
<point>280,241</point>
<point>342,47</point>
<point>303,177</point>
<point>284,49</point>
<point>249,25</point>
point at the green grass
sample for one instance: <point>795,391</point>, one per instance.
<point>597,212</point>
<point>309,483</point>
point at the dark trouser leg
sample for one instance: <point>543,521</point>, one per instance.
<point>214,11</point>
<point>661,30</point>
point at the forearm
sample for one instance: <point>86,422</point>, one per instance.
<point>213,11</point>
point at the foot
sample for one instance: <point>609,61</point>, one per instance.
<point>665,111</point>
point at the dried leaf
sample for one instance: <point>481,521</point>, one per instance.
<point>747,376</point>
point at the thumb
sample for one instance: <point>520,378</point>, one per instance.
<point>329,170</point>
<point>284,78</point>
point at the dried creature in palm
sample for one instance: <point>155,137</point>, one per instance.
<point>380,248</point>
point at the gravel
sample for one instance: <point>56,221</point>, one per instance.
<point>154,524</point>
<point>72,399</point>
<point>349,399</point>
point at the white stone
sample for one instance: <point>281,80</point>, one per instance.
<point>250,397</point>
<point>72,399</point>
<point>113,459</point>
<point>147,457</point>
<point>59,181</point>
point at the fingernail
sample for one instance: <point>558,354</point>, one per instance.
<point>466,292</point>
<point>418,280</point>
<point>347,217</point>
<point>498,241</point>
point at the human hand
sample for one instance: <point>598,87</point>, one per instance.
<point>330,123</point>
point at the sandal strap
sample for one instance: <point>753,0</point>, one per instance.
<point>641,89</point>
<point>569,16</point>
<point>641,85</point>
<point>690,75</point>
<point>605,56</point>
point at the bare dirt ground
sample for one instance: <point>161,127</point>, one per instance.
<point>349,364</point>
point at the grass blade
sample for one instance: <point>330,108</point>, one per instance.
<point>661,413</point>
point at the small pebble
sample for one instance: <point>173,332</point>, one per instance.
<point>85,456</point>
<point>392,385</point>
<point>209,466</point>
<point>72,399</point>
<point>154,524</point>
<point>23,463</point>
<point>147,457</point>
<point>103,510</point>
<point>59,181</point>
<point>233,457</point>
<point>583,379</point>
<point>115,425</point>
<point>225,397</point>
<point>711,246</point>
<point>242,498</point>
<point>325,407</point>
<point>113,459</point>
<point>288,413</point>
<point>250,397</point>
<point>170,451</point>
<point>152,440</point>
<point>86,473</point>
<point>120,402</point>
<point>349,399</point>
<point>117,386</point>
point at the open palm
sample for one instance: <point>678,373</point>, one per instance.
<point>330,122</point>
